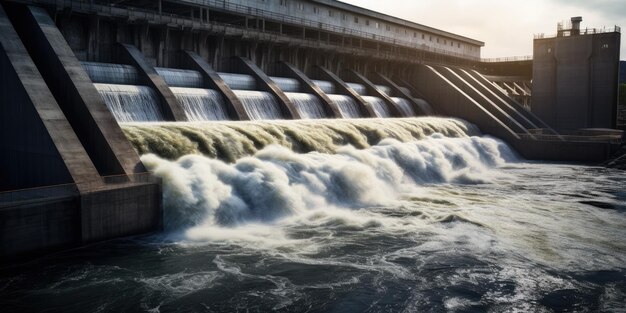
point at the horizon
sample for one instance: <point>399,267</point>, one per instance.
<point>505,34</point>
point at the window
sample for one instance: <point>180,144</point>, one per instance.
<point>356,20</point>
<point>377,25</point>
<point>330,13</point>
<point>388,28</point>
<point>430,38</point>
<point>414,34</point>
<point>451,43</point>
<point>459,45</point>
<point>437,40</point>
<point>367,22</point>
<point>549,50</point>
<point>283,2</point>
<point>316,10</point>
<point>344,16</point>
<point>300,6</point>
<point>423,36</point>
<point>605,46</point>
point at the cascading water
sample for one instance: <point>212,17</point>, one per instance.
<point>405,106</point>
<point>326,86</point>
<point>384,89</point>
<point>108,73</point>
<point>201,104</point>
<point>308,105</point>
<point>359,88</point>
<point>239,81</point>
<point>181,78</point>
<point>360,215</point>
<point>405,90</point>
<point>259,105</point>
<point>379,106</point>
<point>347,106</point>
<point>131,103</point>
<point>286,84</point>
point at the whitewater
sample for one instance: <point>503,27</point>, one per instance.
<point>401,215</point>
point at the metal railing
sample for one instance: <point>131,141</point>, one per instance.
<point>508,59</point>
<point>586,31</point>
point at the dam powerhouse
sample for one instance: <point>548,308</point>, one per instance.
<point>87,87</point>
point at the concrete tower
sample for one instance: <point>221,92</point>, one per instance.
<point>575,77</point>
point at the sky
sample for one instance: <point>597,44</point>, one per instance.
<point>506,27</point>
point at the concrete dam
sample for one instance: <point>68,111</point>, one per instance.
<point>92,91</point>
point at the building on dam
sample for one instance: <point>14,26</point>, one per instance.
<point>73,71</point>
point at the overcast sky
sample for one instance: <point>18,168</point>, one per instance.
<point>507,27</point>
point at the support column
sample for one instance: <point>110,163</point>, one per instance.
<point>420,108</point>
<point>172,110</point>
<point>344,89</point>
<point>372,90</point>
<point>267,84</point>
<point>81,103</point>
<point>236,111</point>
<point>308,86</point>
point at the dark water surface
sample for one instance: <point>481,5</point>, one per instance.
<point>530,238</point>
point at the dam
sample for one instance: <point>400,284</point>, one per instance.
<point>92,92</point>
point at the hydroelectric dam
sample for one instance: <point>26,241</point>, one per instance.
<point>96,95</point>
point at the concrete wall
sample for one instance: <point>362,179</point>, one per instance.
<point>575,80</point>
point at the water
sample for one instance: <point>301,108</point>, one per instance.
<point>286,84</point>
<point>379,106</point>
<point>326,86</point>
<point>359,88</point>
<point>426,216</point>
<point>181,78</point>
<point>405,90</point>
<point>384,89</point>
<point>108,73</point>
<point>239,81</point>
<point>347,106</point>
<point>405,106</point>
<point>259,105</point>
<point>201,104</point>
<point>308,105</point>
<point>131,103</point>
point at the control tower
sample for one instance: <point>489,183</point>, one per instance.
<point>575,76</point>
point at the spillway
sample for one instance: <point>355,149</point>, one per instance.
<point>379,106</point>
<point>108,73</point>
<point>326,86</point>
<point>130,103</point>
<point>286,84</point>
<point>201,104</point>
<point>181,78</point>
<point>239,81</point>
<point>405,106</point>
<point>359,88</point>
<point>384,89</point>
<point>308,105</point>
<point>347,106</point>
<point>259,105</point>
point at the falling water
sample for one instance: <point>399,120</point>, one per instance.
<point>259,105</point>
<point>347,106</point>
<point>384,89</point>
<point>379,106</point>
<point>181,78</point>
<point>130,103</point>
<point>405,106</point>
<point>287,84</point>
<point>326,86</point>
<point>108,73</point>
<point>405,90</point>
<point>359,88</point>
<point>201,104</point>
<point>308,105</point>
<point>239,81</point>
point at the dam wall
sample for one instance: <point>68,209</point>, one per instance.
<point>75,72</point>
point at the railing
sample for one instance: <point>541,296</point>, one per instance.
<point>138,14</point>
<point>74,189</point>
<point>508,59</point>
<point>586,31</point>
